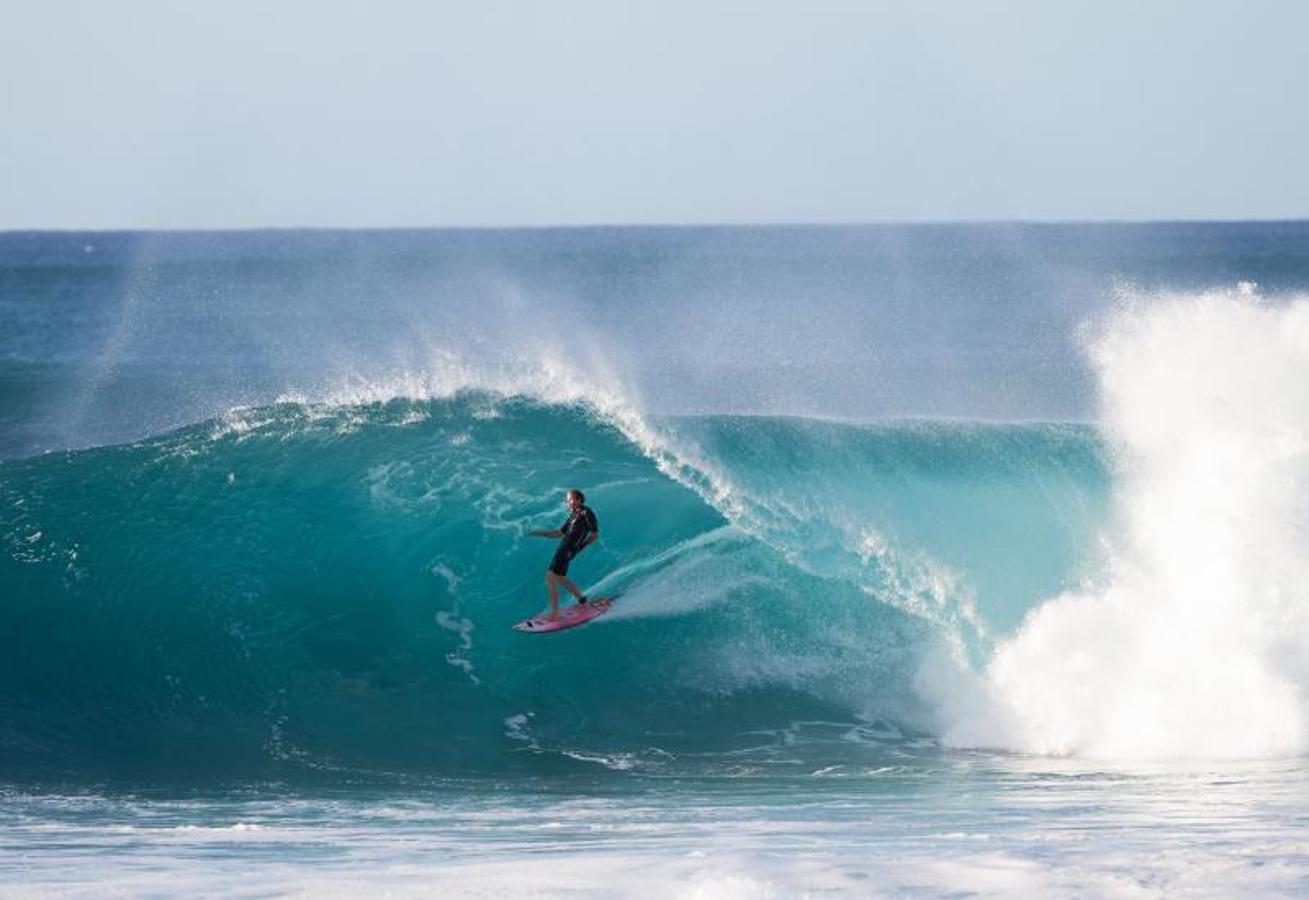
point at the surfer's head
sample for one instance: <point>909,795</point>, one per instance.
<point>575,498</point>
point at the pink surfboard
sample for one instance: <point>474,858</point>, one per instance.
<point>569,616</point>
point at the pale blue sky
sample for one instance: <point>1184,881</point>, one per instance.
<point>175,114</point>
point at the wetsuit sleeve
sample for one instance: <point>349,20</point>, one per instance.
<point>592,522</point>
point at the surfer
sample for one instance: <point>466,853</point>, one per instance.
<point>578,532</point>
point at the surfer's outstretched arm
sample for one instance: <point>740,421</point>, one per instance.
<point>553,533</point>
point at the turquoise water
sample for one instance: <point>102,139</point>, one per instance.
<point>952,560</point>
<point>343,602</point>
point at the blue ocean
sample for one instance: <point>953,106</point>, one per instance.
<point>958,560</point>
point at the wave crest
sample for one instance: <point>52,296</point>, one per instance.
<point>1191,644</point>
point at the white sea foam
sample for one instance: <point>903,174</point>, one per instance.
<point>1194,643</point>
<point>452,621</point>
<point>1079,835</point>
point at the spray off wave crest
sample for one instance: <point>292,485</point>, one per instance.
<point>1191,641</point>
<point>552,376</point>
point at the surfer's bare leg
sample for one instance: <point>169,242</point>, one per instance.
<point>552,585</point>
<point>569,586</point>
<point>552,582</point>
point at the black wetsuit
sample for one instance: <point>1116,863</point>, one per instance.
<point>577,529</point>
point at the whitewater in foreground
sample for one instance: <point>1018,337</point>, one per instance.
<point>953,560</point>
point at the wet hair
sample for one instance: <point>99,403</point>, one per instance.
<point>574,492</point>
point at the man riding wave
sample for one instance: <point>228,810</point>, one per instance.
<point>579,531</point>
